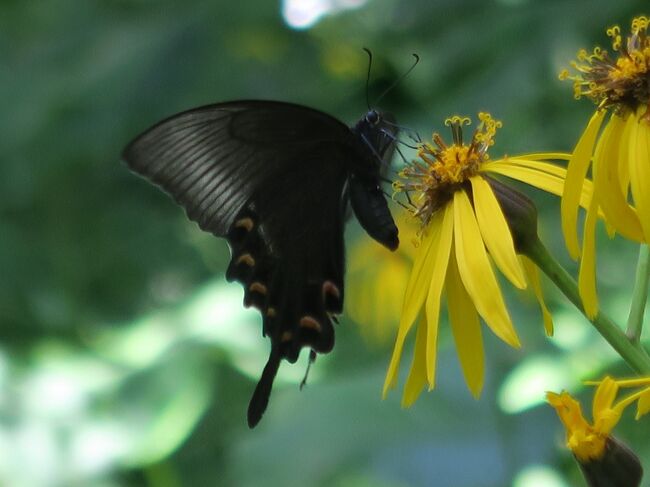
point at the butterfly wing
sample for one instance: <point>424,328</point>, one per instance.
<point>212,159</point>
<point>269,177</point>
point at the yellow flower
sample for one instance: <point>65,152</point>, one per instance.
<point>585,440</point>
<point>463,230</point>
<point>619,153</point>
<point>588,441</point>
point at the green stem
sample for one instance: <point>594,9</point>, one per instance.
<point>639,295</point>
<point>631,352</point>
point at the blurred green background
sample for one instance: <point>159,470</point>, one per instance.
<point>126,359</point>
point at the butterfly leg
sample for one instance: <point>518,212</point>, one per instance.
<point>312,359</point>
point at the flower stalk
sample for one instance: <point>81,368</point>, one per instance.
<point>639,295</point>
<point>631,351</point>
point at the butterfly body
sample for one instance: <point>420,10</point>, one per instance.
<point>275,179</point>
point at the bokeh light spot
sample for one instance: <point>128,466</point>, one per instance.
<point>303,14</point>
<point>538,475</point>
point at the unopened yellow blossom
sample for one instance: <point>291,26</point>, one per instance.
<point>587,440</point>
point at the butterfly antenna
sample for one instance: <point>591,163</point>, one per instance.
<point>398,80</point>
<point>368,75</point>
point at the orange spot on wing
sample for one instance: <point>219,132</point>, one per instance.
<point>246,223</point>
<point>330,288</point>
<point>258,287</point>
<point>286,337</point>
<point>246,259</point>
<point>311,323</point>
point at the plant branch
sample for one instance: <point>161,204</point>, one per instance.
<point>639,295</point>
<point>631,352</point>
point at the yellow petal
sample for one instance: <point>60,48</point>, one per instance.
<point>476,272</point>
<point>624,155</point>
<point>435,290</point>
<point>639,164</point>
<point>605,417</point>
<point>643,406</point>
<point>495,232</point>
<point>613,196</point>
<point>587,272</point>
<point>417,377</point>
<point>533,277</point>
<point>539,177</point>
<point>576,172</point>
<point>416,292</point>
<point>466,328</point>
<point>546,156</point>
<point>639,381</point>
<point>524,161</point>
<point>569,411</point>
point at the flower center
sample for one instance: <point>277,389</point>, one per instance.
<point>442,169</point>
<point>623,82</point>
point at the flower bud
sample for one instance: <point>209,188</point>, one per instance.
<point>618,467</point>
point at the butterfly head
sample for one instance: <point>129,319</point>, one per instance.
<point>373,117</point>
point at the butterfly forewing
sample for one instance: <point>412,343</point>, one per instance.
<point>212,159</point>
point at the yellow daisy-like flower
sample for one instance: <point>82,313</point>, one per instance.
<point>619,154</point>
<point>464,230</point>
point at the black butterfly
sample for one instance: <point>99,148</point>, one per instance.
<point>275,180</point>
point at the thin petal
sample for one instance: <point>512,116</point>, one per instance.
<point>524,161</point>
<point>540,178</point>
<point>476,272</point>
<point>639,164</point>
<point>643,406</point>
<point>466,328</point>
<point>624,155</point>
<point>415,294</point>
<point>435,290</point>
<point>613,197</point>
<point>576,172</point>
<point>496,232</point>
<point>417,377</point>
<point>569,411</point>
<point>533,277</point>
<point>637,382</point>
<point>587,272</point>
<point>603,401</point>
<point>546,156</point>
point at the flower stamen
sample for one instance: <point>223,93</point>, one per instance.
<point>622,82</point>
<point>441,169</point>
